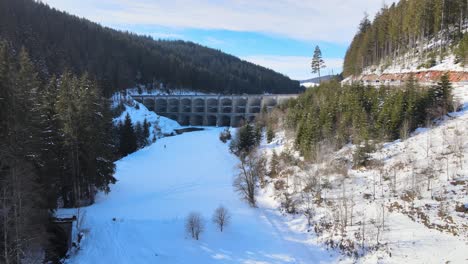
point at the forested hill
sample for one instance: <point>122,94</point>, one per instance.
<point>56,41</point>
<point>431,30</point>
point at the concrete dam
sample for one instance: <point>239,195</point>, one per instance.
<point>211,110</point>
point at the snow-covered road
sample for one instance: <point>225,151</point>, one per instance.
<point>158,186</point>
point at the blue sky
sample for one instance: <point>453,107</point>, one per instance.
<point>278,34</point>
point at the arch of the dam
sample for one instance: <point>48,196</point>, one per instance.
<point>211,110</point>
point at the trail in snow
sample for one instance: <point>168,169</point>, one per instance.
<point>158,187</point>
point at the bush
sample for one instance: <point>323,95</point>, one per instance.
<point>225,135</point>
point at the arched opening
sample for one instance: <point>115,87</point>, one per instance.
<point>226,105</point>
<point>199,105</point>
<point>196,120</point>
<point>161,106</point>
<point>211,120</point>
<point>149,103</point>
<point>212,105</point>
<point>224,121</point>
<point>173,105</point>
<point>184,120</point>
<point>255,105</point>
<point>238,121</point>
<point>270,103</point>
<point>186,105</point>
<point>240,105</point>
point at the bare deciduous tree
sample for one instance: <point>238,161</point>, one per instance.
<point>194,225</point>
<point>221,217</point>
<point>251,168</point>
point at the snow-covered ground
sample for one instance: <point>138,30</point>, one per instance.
<point>309,84</point>
<point>425,229</point>
<point>410,63</point>
<point>159,186</point>
<point>161,91</point>
<point>159,125</point>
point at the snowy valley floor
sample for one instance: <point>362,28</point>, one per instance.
<point>159,186</point>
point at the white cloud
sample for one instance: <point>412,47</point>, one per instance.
<point>331,20</point>
<point>296,67</point>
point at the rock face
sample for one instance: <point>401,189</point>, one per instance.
<point>423,77</point>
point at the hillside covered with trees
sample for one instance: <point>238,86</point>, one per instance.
<point>57,41</point>
<point>57,150</point>
<point>334,115</point>
<point>430,29</point>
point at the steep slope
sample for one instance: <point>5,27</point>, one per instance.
<point>411,36</point>
<point>57,41</point>
<point>409,205</point>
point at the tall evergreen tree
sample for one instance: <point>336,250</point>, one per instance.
<point>317,61</point>
<point>128,140</point>
<point>443,94</point>
<point>146,132</point>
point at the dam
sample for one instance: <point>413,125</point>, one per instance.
<point>211,110</point>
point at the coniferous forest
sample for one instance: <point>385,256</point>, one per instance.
<point>119,60</point>
<point>405,26</point>
<point>337,115</point>
<point>55,151</point>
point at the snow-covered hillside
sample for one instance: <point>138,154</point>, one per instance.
<point>142,219</point>
<point>426,63</point>
<point>409,206</point>
<point>159,125</point>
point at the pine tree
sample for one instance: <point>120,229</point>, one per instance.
<point>139,135</point>
<point>51,148</point>
<point>274,165</point>
<point>24,214</point>
<point>317,61</point>
<point>443,94</point>
<point>246,139</point>
<point>146,132</point>
<point>128,140</point>
<point>270,134</point>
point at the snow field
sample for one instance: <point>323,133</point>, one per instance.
<point>159,186</point>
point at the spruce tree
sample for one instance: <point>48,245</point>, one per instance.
<point>139,135</point>
<point>443,93</point>
<point>128,140</point>
<point>146,132</point>
<point>270,134</point>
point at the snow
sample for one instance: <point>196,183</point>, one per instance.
<point>309,84</point>
<point>416,233</point>
<point>160,125</point>
<point>159,186</point>
<point>410,65</point>
<point>161,91</point>
<point>166,125</point>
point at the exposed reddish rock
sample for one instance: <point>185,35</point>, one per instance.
<point>422,77</point>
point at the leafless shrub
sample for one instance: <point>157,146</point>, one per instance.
<point>194,225</point>
<point>225,135</point>
<point>288,203</point>
<point>221,217</point>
